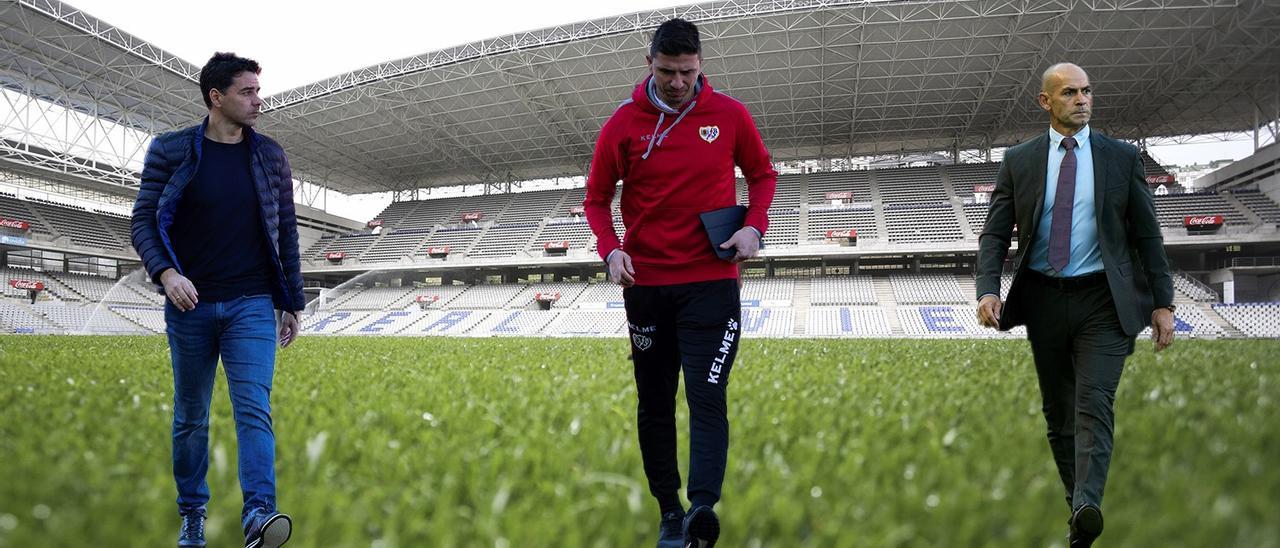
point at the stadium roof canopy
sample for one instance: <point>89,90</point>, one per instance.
<point>824,78</point>
<point>53,54</point>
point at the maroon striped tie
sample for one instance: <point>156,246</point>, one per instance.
<point>1064,198</point>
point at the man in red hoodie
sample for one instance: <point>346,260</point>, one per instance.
<point>674,145</point>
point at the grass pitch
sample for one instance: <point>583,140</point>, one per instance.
<point>414,442</point>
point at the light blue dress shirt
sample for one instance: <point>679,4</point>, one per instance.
<point>1086,256</point>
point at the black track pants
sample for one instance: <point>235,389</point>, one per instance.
<point>696,325</point>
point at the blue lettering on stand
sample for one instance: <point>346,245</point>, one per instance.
<point>1180,326</point>
<point>940,318</point>
<point>448,321</point>
<point>376,326</point>
<point>335,317</point>
<point>753,320</point>
<point>846,321</point>
<point>505,326</point>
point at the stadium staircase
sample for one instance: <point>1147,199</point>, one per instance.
<point>800,306</point>
<point>1228,329</point>
<point>969,286</point>
<point>1236,203</point>
<point>887,300</point>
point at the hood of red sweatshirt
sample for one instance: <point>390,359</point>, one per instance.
<point>640,95</point>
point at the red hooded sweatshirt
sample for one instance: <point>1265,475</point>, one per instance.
<point>674,166</point>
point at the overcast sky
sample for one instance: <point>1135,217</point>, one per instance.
<point>299,42</point>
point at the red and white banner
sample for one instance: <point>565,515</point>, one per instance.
<point>15,224</point>
<point>577,210</point>
<point>556,246</point>
<point>547,297</point>
<point>1202,221</point>
<point>374,223</point>
<point>471,217</point>
<point>426,298</point>
<point>847,196</point>
<point>335,255</point>
<point>437,251</point>
<point>1160,179</point>
<point>984,189</point>
<point>27,284</point>
<point>838,234</point>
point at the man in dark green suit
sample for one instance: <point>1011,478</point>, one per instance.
<point>1090,272</point>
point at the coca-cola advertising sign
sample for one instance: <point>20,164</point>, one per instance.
<point>438,251</point>
<point>556,246</point>
<point>1202,221</point>
<point>335,255</point>
<point>471,217</point>
<point>839,196</point>
<point>984,189</point>
<point>577,210</point>
<point>27,284</point>
<point>427,298</point>
<point>15,224</point>
<point>1160,179</point>
<point>375,223</point>
<point>837,234</point>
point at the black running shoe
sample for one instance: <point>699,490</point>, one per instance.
<point>701,528</point>
<point>1086,526</point>
<point>670,533</point>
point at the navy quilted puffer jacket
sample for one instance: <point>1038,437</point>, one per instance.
<point>171,163</point>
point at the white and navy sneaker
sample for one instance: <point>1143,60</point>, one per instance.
<point>266,529</point>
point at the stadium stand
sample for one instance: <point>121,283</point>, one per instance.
<point>601,295</point>
<point>457,239</point>
<point>857,182</point>
<point>80,226</point>
<point>17,318</point>
<point>395,246</point>
<point>574,232</point>
<point>568,292</point>
<point>1260,205</point>
<point>1189,321</point>
<point>860,217</point>
<point>486,296</point>
<point>976,216</point>
<point>589,323</point>
<point>503,240</point>
<point>1151,166</point>
<point>912,184</point>
<point>13,208</point>
<point>921,289</point>
<point>1252,319</point>
<point>1174,208</point>
<point>851,321</point>
<point>922,222</point>
<point>838,290</point>
<point>964,177</point>
<point>1192,288</point>
<point>784,228</point>
<point>767,291</point>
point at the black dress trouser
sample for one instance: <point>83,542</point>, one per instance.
<point>1079,348</point>
<point>696,325</point>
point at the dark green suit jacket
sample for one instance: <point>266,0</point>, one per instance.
<point>1128,231</point>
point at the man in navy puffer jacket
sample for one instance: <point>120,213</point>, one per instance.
<point>215,226</point>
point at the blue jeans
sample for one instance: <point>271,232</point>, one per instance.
<point>241,331</point>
